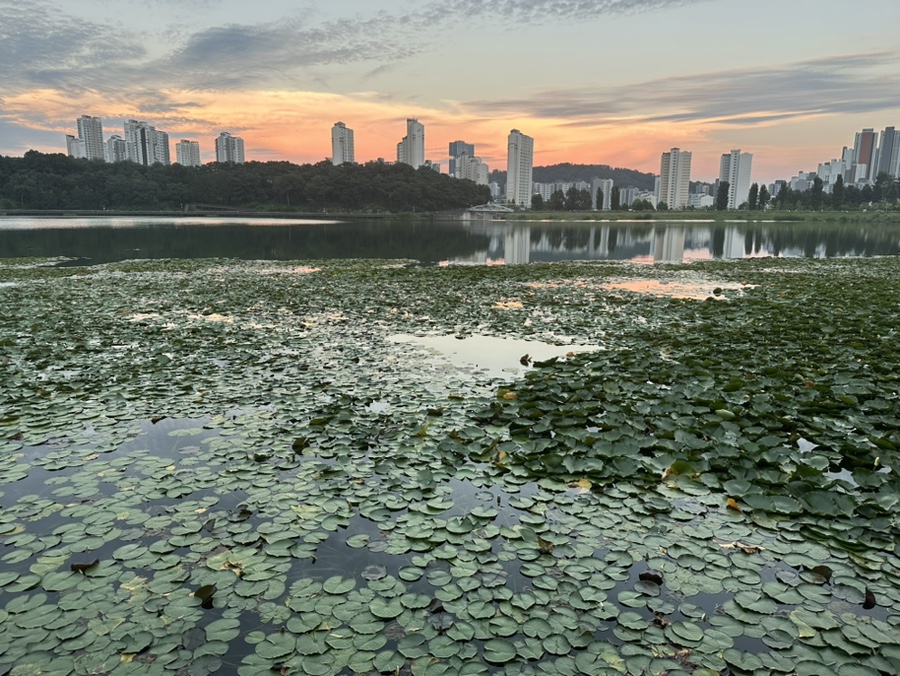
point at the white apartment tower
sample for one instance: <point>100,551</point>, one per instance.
<point>74,146</point>
<point>342,144</point>
<point>229,148</point>
<point>90,134</point>
<point>411,150</point>
<point>144,144</point>
<point>735,168</point>
<point>519,166</point>
<point>603,188</point>
<point>187,153</point>
<point>115,149</point>
<point>472,168</point>
<point>675,178</point>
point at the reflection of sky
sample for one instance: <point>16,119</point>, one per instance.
<point>281,73</point>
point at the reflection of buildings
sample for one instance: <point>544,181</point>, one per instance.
<point>668,245</point>
<point>733,246</point>
<point>517,245</point>
<point>635,242</point>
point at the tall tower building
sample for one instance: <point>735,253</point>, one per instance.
<point>864,149</point>
<point>90,133</point>
<point>675,178</point>
<point>187,153</point>
<point>473,169</point>
<point>735,168</point>
<point>74,146</point>
<point>411,150</point>
<point>115,149</point>
<point>229,148</point>
<point>601,188</point>
<point>519,166</point>
<point>889,153</point>
<point>457,150</point>
<point>144,144</point>
<point>342,144</point>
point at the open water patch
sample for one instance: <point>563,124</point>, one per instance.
<point>497,356</point>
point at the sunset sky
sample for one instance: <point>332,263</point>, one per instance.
<point>593,81</point>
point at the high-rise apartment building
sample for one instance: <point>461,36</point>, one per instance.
<point>675,178</point>
<point>472,168</point>
<point>187,153</point>
<point>411,150</point>
<point>144,144</point>
<point>864,150</point>
<point>457,150</point>
<point>889,153</point>
<point>90,133</point>
<point>342,149</point>
<point>519,168</point>
<point>115,149</point>
<point>229,148</point>
<point>735,168</point>
<point>74,146</point>
<point>601,194</point>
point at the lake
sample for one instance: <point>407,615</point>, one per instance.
<point>103,240</point>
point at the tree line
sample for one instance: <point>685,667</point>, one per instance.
<point>55,181</point>
<point>885,192</point>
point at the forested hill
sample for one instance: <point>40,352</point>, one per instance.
<point>54,181</point>
<point>567,172</point>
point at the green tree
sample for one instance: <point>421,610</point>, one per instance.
<point>599,199</point>
<point>662,206</point>
<point>722,196</point>
<point>537,202</point>
<point>783,196</point>
<point>753,197</point>
<point>557,201</point>
<point>837,194</point>
<point>615,199</point>
<point>816,194</point>
<point>762,201</point>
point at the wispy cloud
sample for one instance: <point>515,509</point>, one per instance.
<point>43,46</point>
<point>40,46</point>
<point>529,11</point>
<point>855,83</point>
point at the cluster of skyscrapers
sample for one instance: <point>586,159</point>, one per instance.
<point>411,150</point>
<point>872,154</point>
<point>141,142</point>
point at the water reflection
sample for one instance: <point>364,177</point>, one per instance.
<point>677,243</point>
<point>484,242</point>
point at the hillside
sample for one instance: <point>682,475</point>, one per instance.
<point>624,178</point>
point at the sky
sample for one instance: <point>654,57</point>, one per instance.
<point>614,82</point>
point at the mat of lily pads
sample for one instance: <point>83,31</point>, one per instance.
<point>217,466</point>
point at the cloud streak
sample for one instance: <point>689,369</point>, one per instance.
<point>858,83</point>
<point>42,46</point>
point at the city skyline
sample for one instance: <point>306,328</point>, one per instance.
<point>273,71</point>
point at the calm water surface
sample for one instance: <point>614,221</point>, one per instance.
<point>102,240</point>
